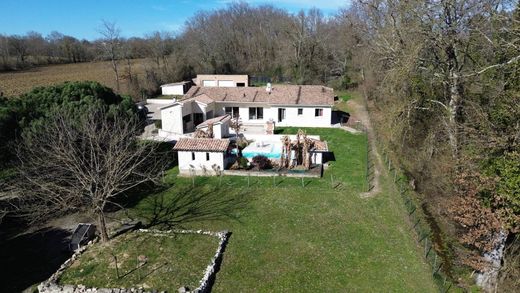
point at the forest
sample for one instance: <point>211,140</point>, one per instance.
<point>441,79</point>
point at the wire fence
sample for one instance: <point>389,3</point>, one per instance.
<point>418,223</point>
<point>417,219</point>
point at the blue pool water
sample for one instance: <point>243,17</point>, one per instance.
<point>270,150</point>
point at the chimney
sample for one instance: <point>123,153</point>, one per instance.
<point>269,88</point>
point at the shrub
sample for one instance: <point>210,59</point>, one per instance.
<point>262,162</point>
<point>242,162</point>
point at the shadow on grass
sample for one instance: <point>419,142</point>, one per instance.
<point>182,204</point>
<point>32,258</point>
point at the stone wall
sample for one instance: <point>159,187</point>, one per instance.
<point>51,285</point>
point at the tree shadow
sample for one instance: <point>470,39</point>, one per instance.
<point>31,258</point>
<point>181,205</point>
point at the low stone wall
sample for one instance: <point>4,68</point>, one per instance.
<point>307,174</point>
<point>51,285</point>
<point>210,273</point>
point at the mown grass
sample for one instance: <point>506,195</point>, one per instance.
<point>172,262</point>
<point>286,237</point>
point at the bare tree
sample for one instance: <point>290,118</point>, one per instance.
<point>111,42</point>
<point>74,163</point>
<point>20,47</point>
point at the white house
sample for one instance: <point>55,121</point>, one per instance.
<point>176,88</point>
<point>286,105</point>
<point>206,156</point>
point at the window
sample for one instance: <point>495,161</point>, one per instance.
<point>256,113</point>
<point>207,156</point>
<point>300,111</point>
<point>241,84</point>
<point>281,114</point>
<point>232,111</point>
<point>192,156</point>
<point>318,112</point>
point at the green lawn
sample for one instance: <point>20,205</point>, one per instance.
<point>285,237</point>
<point>172,262</point>
<point>320,237</point>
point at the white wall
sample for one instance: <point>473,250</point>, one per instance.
<point>209,83</point>
<point>171,119</point>
<point>173,89</point>
<point>316,157</point>
<point>160,101</point>
<point>291,113</point>
<point>226,83</point>
<point>200,161</point>
<point>307,119</point>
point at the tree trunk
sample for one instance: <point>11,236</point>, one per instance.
<point>114,66</point>
<point>102,226</point>
<point>454,105</point>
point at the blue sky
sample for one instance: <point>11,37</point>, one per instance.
<point>82,18</point>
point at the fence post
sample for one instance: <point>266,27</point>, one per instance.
<point>331,181</point>
<point>303,183</point>
<point>368,163</point>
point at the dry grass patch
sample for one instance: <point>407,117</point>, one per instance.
<point>16,83</point>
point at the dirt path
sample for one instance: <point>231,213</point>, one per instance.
<point>360,112</point>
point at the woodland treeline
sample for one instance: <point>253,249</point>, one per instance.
<point>441,78</point>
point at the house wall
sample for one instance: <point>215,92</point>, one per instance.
<point>200,163</point>
<point>173,89</point>
<point>171,119</point>
<point>317,158</point>
<point>222,80</point>
<point>307,119</point>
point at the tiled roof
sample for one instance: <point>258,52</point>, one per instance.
<point>315,95</point>
<point>202,144</point>
<point>202,98</point>
<point>176,83</point>
<point>214,120</point>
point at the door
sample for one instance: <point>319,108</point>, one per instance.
<point>226,83</point>
<point>281,114</point>
<point>209,83</point>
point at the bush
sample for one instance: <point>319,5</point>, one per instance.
<point>262,162</point>
<point>242,163</point>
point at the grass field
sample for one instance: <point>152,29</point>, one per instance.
<point>291,238</point>
<point>16,83</point>
<point>182,259</point>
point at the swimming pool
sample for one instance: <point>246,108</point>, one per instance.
<point>272,150</point>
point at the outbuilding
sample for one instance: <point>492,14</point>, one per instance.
<point>201,156</point>
<point>176,88</point>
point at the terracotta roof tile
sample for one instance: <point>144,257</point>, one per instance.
<point>214,120</point>
<point>202,144</point>
<point>280,94</point>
